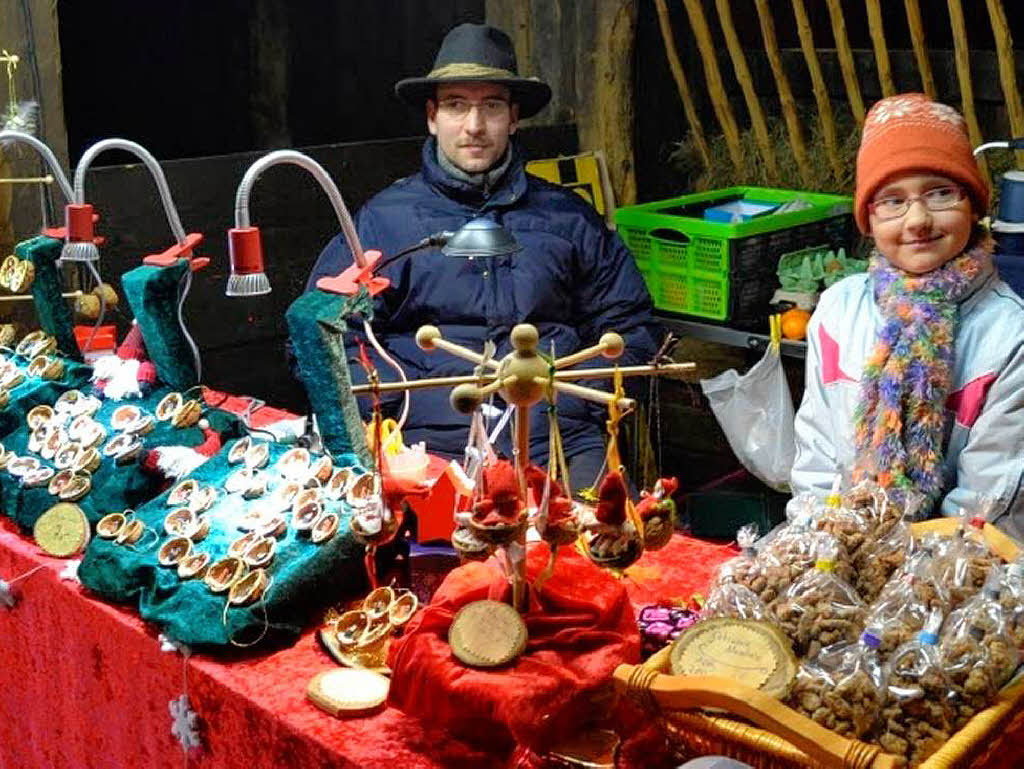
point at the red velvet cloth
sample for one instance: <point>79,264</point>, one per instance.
<point>85,685</point>
<point>581,626</point>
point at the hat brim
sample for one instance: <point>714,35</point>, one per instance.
<point>531,95</point>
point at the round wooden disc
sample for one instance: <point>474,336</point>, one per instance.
<point>347,691</point>
<point>751,652</point>
<point>62,531</point>
<point>487,634</point>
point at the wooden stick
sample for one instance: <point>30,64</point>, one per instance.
<point>522,427</point>
<point>877,29</point>
<point>588,393</point>
<point>418,384</point>
<point>29,297</point>
<point>771,48</point>
<point>846,65</point>
<point>821,97</point>
<point>962,56</point>
<point>668,369</point>
<point>684,87</point>
<point>924,64</point>
<point>464,352</point>
<point>1007,75</point>
<point>48,179</point>
<point>587,353</point>
<point>713,78</point>
<point>739,64</point>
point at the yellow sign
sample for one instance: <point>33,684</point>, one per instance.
<point>580,173</point>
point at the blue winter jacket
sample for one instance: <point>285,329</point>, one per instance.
<point>573,279</point>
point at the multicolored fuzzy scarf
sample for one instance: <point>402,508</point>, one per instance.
<point>900,419</point>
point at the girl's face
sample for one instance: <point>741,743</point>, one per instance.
<point>921,221</point>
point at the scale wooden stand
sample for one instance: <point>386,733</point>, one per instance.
<point>523,378</point>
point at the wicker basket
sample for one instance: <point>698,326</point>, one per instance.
<point>762,731</point>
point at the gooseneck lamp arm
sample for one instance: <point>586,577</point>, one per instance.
<point>248,276</point>
<point>151,165</point>
<point>47,155</point>
<point>81,246</point>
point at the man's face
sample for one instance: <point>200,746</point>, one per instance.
<point>472,123</point>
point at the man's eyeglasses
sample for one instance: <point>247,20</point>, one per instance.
<point>937,199</point>
<point>460,108</point>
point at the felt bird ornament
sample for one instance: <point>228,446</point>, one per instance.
<point>500,504</point>
<point>611,499</point>
<point>658,503</point>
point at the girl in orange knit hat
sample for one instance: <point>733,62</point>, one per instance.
<point>915,370</point>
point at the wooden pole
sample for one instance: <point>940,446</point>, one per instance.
<point>924,65</point>
<point>522,426</point>
<point>849,69</point>
<point>821,97</point>
<point>739,64</point>
<point>877,30</point>
<point>1007,75</point>
<point>789,113</point>
<point>716,89</point>
<point>679,76</point>
<point>962,55</point>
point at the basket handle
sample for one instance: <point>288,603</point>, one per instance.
<point>656,692</point>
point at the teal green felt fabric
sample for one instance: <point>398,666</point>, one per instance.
<point>54,313</point>
<point>115,487</point>
<point>316,322</point>
<point>153,293</point>
<point>33,391</point>
<point>305,577</point>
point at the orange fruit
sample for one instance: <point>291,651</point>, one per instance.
<point>794,323</point>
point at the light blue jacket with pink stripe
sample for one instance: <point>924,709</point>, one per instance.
<point>984,435</point>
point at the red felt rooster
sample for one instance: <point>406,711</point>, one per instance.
<point>500,504</point>
<point>611,499</point>
<point>559,505</point>
<point>659,502</point>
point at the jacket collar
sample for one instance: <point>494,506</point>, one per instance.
<point>505,192</point>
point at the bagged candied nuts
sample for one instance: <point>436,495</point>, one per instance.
<point>761,574</point>
<point>843,689</point>
<point>917,718</point>
<point>820,609</point>
<point>729,598</point>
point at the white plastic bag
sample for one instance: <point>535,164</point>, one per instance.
<point>755,411</point>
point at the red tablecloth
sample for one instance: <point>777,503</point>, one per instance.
<point>85,685</point>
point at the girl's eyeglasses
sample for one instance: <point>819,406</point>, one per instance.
<point>937,199</point>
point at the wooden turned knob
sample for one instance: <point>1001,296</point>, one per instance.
<point>426,336</point>
<point>465,398</point>
<point>613,345</point>
<point>524,337</point>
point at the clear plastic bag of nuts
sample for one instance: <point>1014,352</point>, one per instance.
<point>1012,599</point>
<point>850,526</point>
<point>965,558</point>
<point>904,604</point>
<point>820,609</point>
<point>795,546</point>
<point>762,574</point>
<point>843,689</point>
<point>888,546</point>
<point>984,614</point>
<point>917,718</point>
<point>729,598</point>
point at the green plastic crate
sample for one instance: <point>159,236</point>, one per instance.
<point>725,271</point>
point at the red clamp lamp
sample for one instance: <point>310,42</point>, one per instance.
<point>248,273</point>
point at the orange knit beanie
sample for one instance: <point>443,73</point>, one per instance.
<point>909,133</point>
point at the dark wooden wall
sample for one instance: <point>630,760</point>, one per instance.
<point>660,122</point>
<point>242,340</point>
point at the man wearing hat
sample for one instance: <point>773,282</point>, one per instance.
<point>572,278</point>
